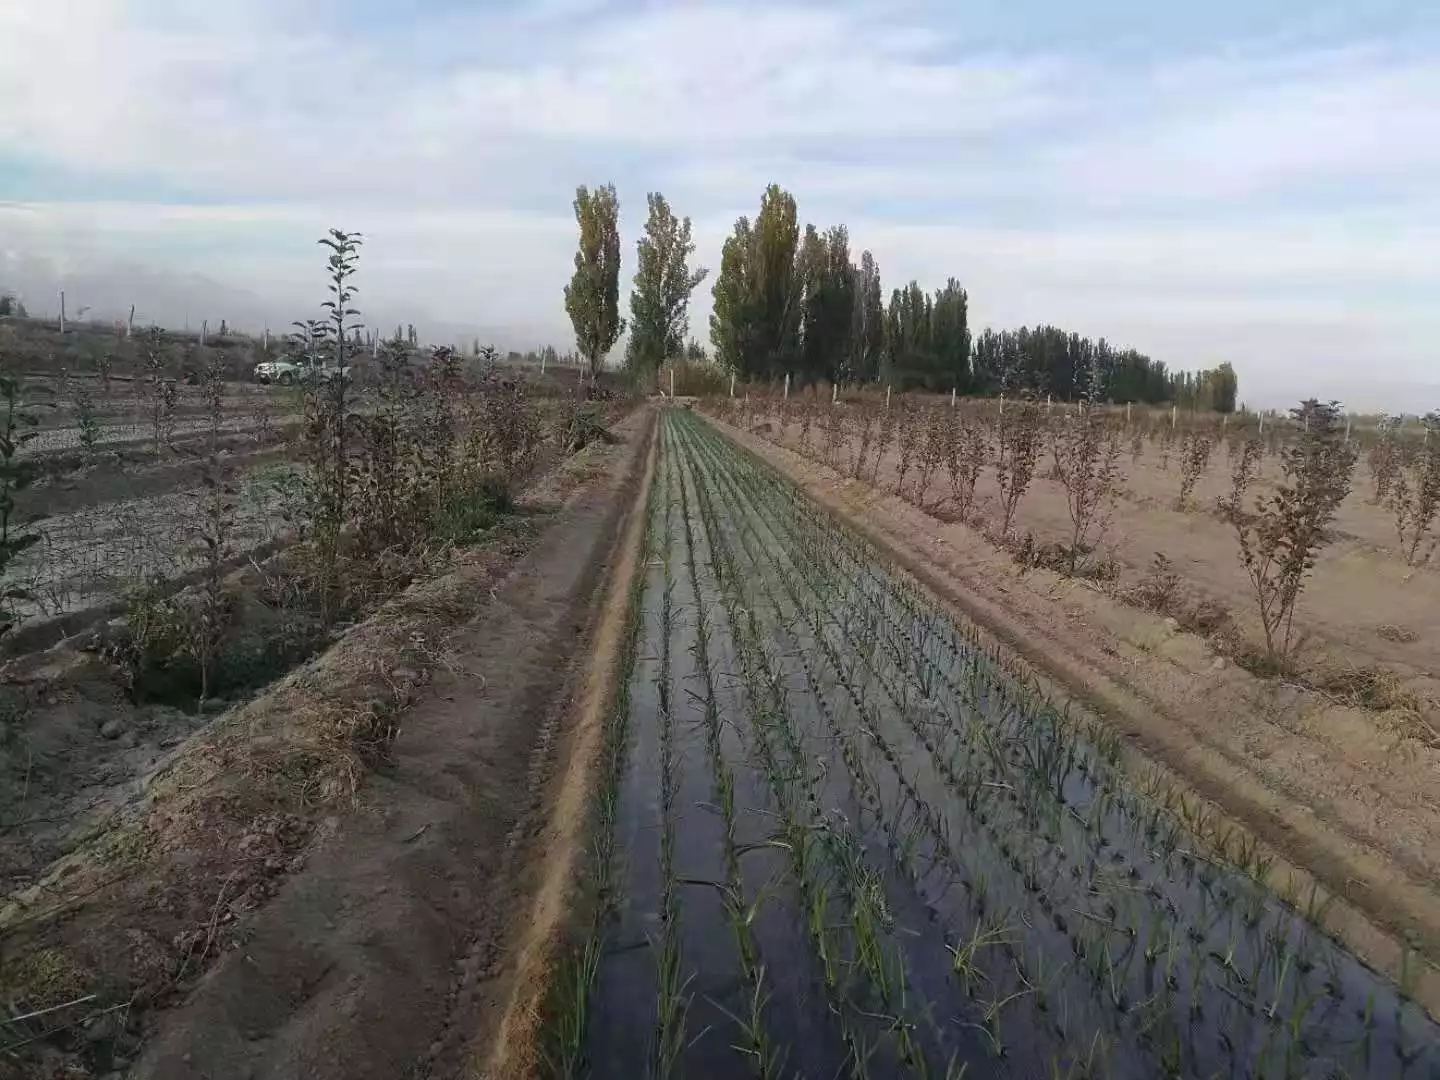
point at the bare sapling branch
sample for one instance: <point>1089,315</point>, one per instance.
<point>1384,457</point>
<point>964,457</point>
<point>1194,462</point>
<point>1414,497</point>
<point>908,435</point>
<point>1017,451</point>
<point>1087,456</point>
<point>1281,541</point>
<point>1243,473</point>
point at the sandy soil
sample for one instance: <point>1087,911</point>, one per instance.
<point>1331,789</point>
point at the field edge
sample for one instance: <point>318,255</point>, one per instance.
<point>539,925</point>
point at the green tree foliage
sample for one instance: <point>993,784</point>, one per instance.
<point>1048,360</point>
<point>828,304</point>
<point>779,302</point>
<point>867,326</point>
<point>927,338</point>
<point>1216,388</point>
<point>758,293</point>
<point>592,299</point>
<point>659,305</point>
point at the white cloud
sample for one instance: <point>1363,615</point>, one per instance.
<point>1265,204</point>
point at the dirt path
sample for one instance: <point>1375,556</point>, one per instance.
<point>381,958</point>
<point>1318,783</point>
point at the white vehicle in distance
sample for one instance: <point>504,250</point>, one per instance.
<point>297,369</point>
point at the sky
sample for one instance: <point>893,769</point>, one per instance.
<point>1243,180</point>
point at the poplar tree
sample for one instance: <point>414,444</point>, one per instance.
<point>759,291</point>
<point>592,298</point>
<point>660,302</point>
<point>867,326</point>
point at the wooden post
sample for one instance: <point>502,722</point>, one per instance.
<point>732,384</point>
<point>834,393</point>
<point>787,386</point>
<point>1048,403</point>
<point>1174,416</point>
<point>130,325</point>
<point>62,311</point>
<point>1002,402</point>
<point>204,331</point>
<point>887,398</point>
<point>543,353</point>
<point>1262,423</point>
<point>952,397</point>
<point>1347,428</point>
<point>1127,414</point>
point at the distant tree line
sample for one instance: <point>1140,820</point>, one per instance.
<point>788,301</point>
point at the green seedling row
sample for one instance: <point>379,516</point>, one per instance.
<point>838,834</point>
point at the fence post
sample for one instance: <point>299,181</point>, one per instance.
<point>1002,402</point>
<point>1174,416</point>
<point>1262,423</point>
<point>204,331</point>
<point>834,393</point>
<point>887,398</point>
<point>130,325</point>
<point>732,384</point>
<point>952,397</point>
<point>787,386</point>
<point>1127,414</point>
<point>62,311</point>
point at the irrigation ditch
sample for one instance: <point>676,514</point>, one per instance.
<point>835,833</point>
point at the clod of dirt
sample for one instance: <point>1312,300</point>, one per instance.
<point>112,728</point>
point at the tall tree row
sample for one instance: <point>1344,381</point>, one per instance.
<point>789,301</point>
